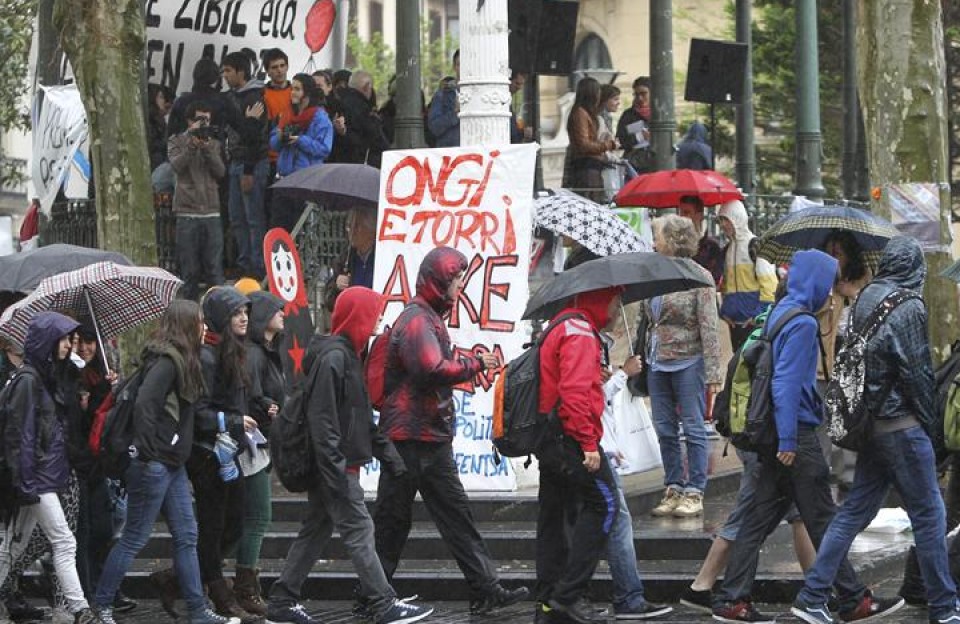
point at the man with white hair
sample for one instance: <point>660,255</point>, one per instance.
<point>364,140</point>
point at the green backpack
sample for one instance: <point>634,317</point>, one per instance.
<point>730,405</point>
<point>946,435</point>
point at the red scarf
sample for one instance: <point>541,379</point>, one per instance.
<point>643,111</point>
<point>303,119</point>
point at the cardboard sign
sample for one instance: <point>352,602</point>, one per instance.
<point>285,279</point>
<point>479,201</point>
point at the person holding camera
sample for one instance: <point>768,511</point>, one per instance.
<point>301,140</point>
<point>197,165</point>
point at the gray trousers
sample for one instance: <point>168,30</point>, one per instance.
<point>350,517</point>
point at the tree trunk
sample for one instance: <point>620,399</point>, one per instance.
<point>104,41</point>
<point>902,81</point>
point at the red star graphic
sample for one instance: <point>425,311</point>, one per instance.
<point>296,354</point>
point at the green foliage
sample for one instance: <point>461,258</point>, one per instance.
<point>436,58</point>
<point>16,31</point>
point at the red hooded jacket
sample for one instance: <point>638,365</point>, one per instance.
<point>570,362</point>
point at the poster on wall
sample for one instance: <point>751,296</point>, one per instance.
<point>480,201</point>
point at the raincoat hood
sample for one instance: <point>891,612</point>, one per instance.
<point>43,333</point>
<point>595,304</point>
<point>437,271</point>
<point>263,306</point>
<point>696,132</point>
<point>251,85</point>
<point>812,275</point>
<point>219,305</point>
<point>902,264</point>
<point>355,315</point>
<point>737,213</point>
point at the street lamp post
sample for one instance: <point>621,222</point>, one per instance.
<point>408,127</point>
<point>809,141</point>
<point>484,73</point>
<point>663,123</point>
<point>746,155</point>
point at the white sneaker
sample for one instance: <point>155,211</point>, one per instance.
<point>671,498</point>
<point>690,506</point>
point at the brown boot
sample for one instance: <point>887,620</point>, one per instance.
<point>246,588</point>
<point>165,582</point>
<point>226,605</point>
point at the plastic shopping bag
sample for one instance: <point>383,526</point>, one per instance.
<point>635,434</point>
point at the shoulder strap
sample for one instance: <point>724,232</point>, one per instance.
<point>560,320</point>
<point>771,331</point>
<point>883,309</point>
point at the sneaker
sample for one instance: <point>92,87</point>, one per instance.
<point>207,616</point>
<point>741,611</point>
<point>86,616</point>
<point>690,505</point>
<point>123,603</point>
<point>812,613</point>
<point>671,499</point>
<point>105,614</point>
<point>543,614</point>
<point>581,611</point>
<point>701,600</point>
<point>951,617</point>
<point>499,597</point>
<point>645,610</point>
<point>873,608</point>
<point>401,612</point>
<point>293,614</point>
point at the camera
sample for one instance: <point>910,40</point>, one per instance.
<point>204,132</point>
<point>289,131</point>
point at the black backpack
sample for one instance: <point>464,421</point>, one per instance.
<point>518,424</point>
<point>116,437</point>
<point>759,433</point>
<point>10,435</point>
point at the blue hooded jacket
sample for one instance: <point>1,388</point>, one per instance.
<point>694,152</point>
<point>796,349</point>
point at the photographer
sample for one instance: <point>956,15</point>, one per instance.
<point>196,161</point>
<point>302,140</point>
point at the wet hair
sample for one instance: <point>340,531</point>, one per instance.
<point>310,90</point>
<point>678,235</point>
<point>856,266</point>
<point>239,62</point>
<point>179,328</point>
<point>588,96</point>
<point>232,356</point>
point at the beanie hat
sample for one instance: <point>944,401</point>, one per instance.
<point>247,285</point>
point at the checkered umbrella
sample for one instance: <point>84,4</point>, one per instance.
<point>809,229</point>
<point>115,297</point>
<point>595,227</point>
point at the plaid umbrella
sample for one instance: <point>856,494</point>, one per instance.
<point>113,296</point>
<point>595,227</point>
<point>663,189</point>
<point>809,228</point>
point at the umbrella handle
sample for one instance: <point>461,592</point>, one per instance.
<point>96,329</point>
<point>626,325</point>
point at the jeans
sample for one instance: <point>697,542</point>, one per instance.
<point>566,563</point>
<point>683,389</point>
<point>199,253</point>
<point>256,519</point>
<point>153,487</point>
<point>220,513</point>
<point>905,460</point>
<point>622,555</point>
<point>248,219</point>
<point>806,483</point>
<point>94,531</point>
<point>352,520</point>
<point>49,515</point>
<point>744,502</point>
<point>432,472</point>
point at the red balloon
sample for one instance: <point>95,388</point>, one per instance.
<point>320,21</point>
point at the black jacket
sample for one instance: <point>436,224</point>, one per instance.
<point>364,141</point>
<point>339,414</point>
<point>264,366</point>
<point>247,137</point>
<point>163,416</point>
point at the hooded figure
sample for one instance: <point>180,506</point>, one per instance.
<point>264,365</point>
<point>796,349</point>
<point>694,152</point>
<point>749,283</point>
<point>900,349</point>
<point>34,440</point>
<point>421,366</point>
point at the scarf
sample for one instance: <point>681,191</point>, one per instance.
<point>303,119</point>
<point>643,111</point>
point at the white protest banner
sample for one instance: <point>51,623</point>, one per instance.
<point>479,201</point>
<point>59,127</point>
<point>180,32</point>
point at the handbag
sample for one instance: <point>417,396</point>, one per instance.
<point>637,385</point>
<point>636,436</point>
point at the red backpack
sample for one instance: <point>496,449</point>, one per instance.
<point>375,368</point>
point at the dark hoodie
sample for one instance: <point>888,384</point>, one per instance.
<point>264,366</point>
<point>247,138</point>
<point>34,440</point>
<point>339,414</point>
<point>164,409</point>
<point>421,368</point>
<point>796,349</point>
<point>898,356</point>
<point>694,152</point>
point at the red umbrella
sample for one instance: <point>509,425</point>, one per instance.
<point>663,189</point>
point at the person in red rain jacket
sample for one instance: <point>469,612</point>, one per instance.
<point>575,477</point>
<point>417,414</point>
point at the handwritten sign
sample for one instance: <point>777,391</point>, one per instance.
<point>59,127</point>
<point>180,32</point>
<point>480,201</point>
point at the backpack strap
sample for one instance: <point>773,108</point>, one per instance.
<point>880,313</point>
<point>560,320</point>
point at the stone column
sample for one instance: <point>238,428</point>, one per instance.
<point>484,73</point>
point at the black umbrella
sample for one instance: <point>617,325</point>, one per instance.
<point>642,274</point>
<point>337,186</point>
<point>23,272</point>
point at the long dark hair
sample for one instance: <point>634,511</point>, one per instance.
<point>232,359</point>
<point>588,96</point>
<point>310,91</point>
<point>856,266</point>
<point>180,328</point>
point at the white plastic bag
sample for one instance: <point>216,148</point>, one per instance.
<point>635,434</point>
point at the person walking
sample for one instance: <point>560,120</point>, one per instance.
<point>795,471</point>
<point>900,396</point>
<point>36,454</point>
<point>344,439</point>
<point>684,360</point>
<point>586,156</point>
<point>157,478</point>
<point>417,415</point>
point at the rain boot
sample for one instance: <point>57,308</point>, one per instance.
<point>226,605</point>
<point>165,582</point>
<point>246,588</point>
